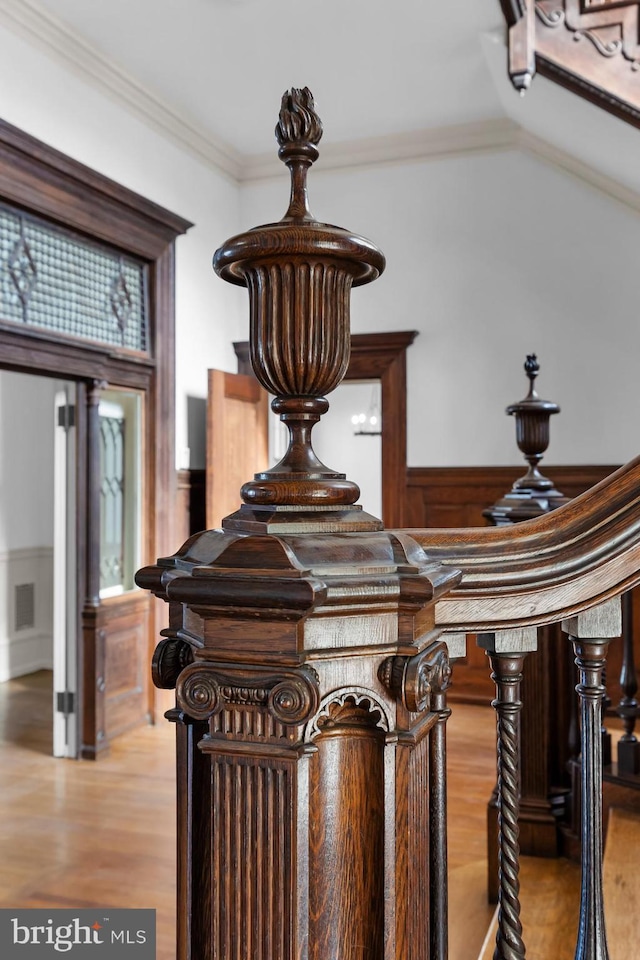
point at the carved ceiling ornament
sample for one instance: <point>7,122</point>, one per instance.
<point>590,46</point>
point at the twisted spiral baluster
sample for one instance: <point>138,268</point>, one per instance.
<point>507,674</point>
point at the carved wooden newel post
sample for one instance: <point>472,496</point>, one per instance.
<point>309,677</point>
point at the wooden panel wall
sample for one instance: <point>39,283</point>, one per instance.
<point>456,496</point>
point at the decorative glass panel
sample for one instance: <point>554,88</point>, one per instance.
<point>50,278</point>
<point>111,502</point>
<point>120,415</point>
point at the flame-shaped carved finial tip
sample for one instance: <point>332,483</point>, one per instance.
<point>531,366</point>
<point>298,121</point>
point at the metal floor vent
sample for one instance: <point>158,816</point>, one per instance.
<point>25,606</point>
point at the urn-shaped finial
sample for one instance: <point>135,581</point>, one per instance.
<point>533,494</point>
<point>532,427</point>
<point>299,273</point>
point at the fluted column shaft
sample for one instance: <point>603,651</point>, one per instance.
<point>590,660</point>
<point>590,633</point>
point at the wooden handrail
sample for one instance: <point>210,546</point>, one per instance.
<point>542,570</point>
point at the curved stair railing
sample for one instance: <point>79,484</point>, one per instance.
<point>571,566</point>
<point>546,569</point>
<point>310,652</point>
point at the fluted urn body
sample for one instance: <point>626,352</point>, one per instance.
<point>532,428</point>
<point>299,274</point>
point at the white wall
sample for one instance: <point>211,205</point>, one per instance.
<point>491,257</point>
<point>43,97</point>
<point>26,519</point>
<point>26,461</point>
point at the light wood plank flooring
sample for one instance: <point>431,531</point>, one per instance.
<point>85,834</point>
<point>102,834</point>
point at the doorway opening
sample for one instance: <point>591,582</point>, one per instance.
<point>38,594</point>
<point>337,439</point>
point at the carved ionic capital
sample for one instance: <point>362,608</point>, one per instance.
<point>413,680</point>
<point>290,696</point>
<point>170,658</point>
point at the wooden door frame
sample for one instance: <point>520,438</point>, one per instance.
<point>383,357</point>
<point>44,182</point>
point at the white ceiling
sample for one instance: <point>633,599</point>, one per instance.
<point>422,77</point>
<point>376,67</point>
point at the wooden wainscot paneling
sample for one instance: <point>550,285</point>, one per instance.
<point>122,677</point>
<point>456,496</point>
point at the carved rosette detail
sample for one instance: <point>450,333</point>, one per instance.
<point>170,658</point>
<point>198,694</point>
<point>293,700</point>
<point>412,680</point>
<point>290,697</point>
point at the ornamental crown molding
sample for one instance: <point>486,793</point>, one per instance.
<point>494,133</point>
<point>31,21</point>
<point>38,26</point>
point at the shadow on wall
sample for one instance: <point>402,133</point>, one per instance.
<point>197,432</point>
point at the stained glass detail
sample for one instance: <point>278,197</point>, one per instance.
<point>121,300</point>
<point>111,502</point>
<point>53,279</point>
<point>22,270</point>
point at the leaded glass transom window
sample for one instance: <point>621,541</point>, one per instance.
<point>52,279</point>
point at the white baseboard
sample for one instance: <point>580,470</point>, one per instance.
<point>31,654</point>
<point>30,647</point>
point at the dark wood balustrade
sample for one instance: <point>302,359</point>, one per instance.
<point>311,652</point>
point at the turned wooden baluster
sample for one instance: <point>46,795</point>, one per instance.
<point>506,651</point>
<point>546,682</point>
<point>628,745</point>
<point>590,633</point>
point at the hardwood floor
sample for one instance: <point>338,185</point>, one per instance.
<point>471,748</point>
<point>85,834</point>
<point>102,834</point>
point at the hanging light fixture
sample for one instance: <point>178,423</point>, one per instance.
<point>369,424</point>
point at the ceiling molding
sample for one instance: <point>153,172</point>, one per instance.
<point>569,163</point>
<point>435,143</point>
<point>30,20</point>
<point>36,24</point>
